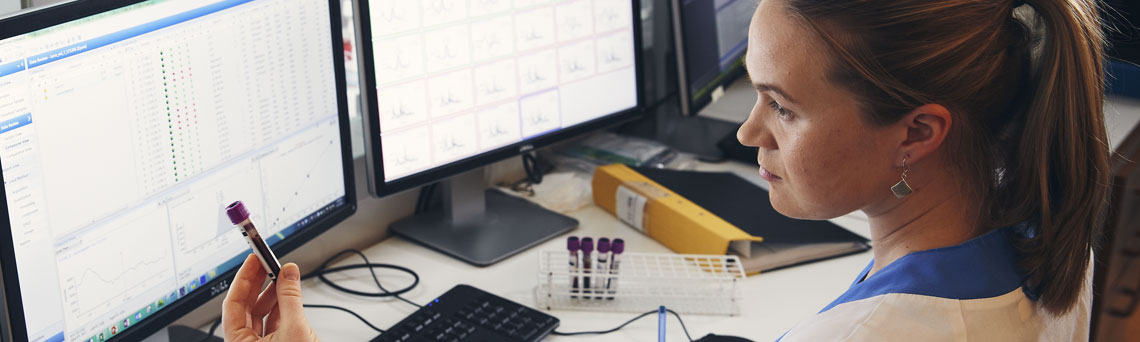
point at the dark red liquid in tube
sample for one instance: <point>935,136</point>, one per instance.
<point>239,216</point>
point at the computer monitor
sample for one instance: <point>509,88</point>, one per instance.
<point>125,129</point>
<point>711,36</point>
<point>451,86</point>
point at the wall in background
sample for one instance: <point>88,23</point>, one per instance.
<point>1122,117</point>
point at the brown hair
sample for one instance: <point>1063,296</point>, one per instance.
<point>1026,84</point>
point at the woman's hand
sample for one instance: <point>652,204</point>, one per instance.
<point>274,315</point>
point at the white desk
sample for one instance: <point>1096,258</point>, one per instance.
<point>773,302</point>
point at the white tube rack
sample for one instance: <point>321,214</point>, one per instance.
<point>686,283</point>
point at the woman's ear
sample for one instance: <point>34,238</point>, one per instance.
<point>926,129</point>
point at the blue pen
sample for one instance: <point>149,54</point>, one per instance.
<point>661,324</point>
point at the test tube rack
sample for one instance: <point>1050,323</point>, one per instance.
<point>686,283</point>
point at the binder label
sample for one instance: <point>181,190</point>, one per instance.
<point>631,207</point>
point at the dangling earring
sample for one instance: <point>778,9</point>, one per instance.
<point>902,189</point>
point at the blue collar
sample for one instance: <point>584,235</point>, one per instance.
<point>983,267</point>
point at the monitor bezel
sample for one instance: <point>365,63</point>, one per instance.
<point>32,20</point>
<point>378,187</point>
<point>689,105</point>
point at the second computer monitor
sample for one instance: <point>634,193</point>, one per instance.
<point>455,85</point>
<point>711,36</point>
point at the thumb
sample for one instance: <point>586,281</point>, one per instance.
<point>289,294</point>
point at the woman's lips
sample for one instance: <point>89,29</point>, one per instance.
<point>768,175</point>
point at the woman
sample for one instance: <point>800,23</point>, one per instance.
<point>975,145</point>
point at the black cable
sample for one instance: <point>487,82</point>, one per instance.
<point>316,306</point>
<point>686,330</point>
<point>603,332</point>
<point>218,322</point>
<point>213,328</point>
<point>530,165</point>
<point>430,193</point>
<point>324,270</point>
<point>420,200</point>
<point>423,202</point>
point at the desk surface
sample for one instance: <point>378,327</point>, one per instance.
<point>773,302</point>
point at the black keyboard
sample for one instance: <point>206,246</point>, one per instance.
<point>468,314</point>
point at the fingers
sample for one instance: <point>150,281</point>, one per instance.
<point>258,278</point>
<point>273,321</point>
<point>242,294</point>
<point>258,326</point>
<point>289,295</point>
<point>266,301</point>
<point>234,309</point>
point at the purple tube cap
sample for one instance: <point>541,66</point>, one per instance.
<point>618,246</point>
<point>237,212</point>
<point>572,244</point>
<point>587,245</point>
<point>603,245</point>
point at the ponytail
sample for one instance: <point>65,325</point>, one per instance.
<point>1056,173</point>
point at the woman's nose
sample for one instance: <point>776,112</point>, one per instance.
<point>755,133</point>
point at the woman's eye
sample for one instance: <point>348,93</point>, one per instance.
<point>784,113</point>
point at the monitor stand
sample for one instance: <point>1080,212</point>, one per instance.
<point>482,226</point>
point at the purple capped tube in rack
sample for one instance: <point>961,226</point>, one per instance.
<point>587,248</point>
<point>616,248</point>
<point>573,245</point>
<point>602,268</point>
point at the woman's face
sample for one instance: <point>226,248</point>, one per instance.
<point>821,157</point>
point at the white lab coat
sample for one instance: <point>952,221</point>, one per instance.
<point>969,292</point>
